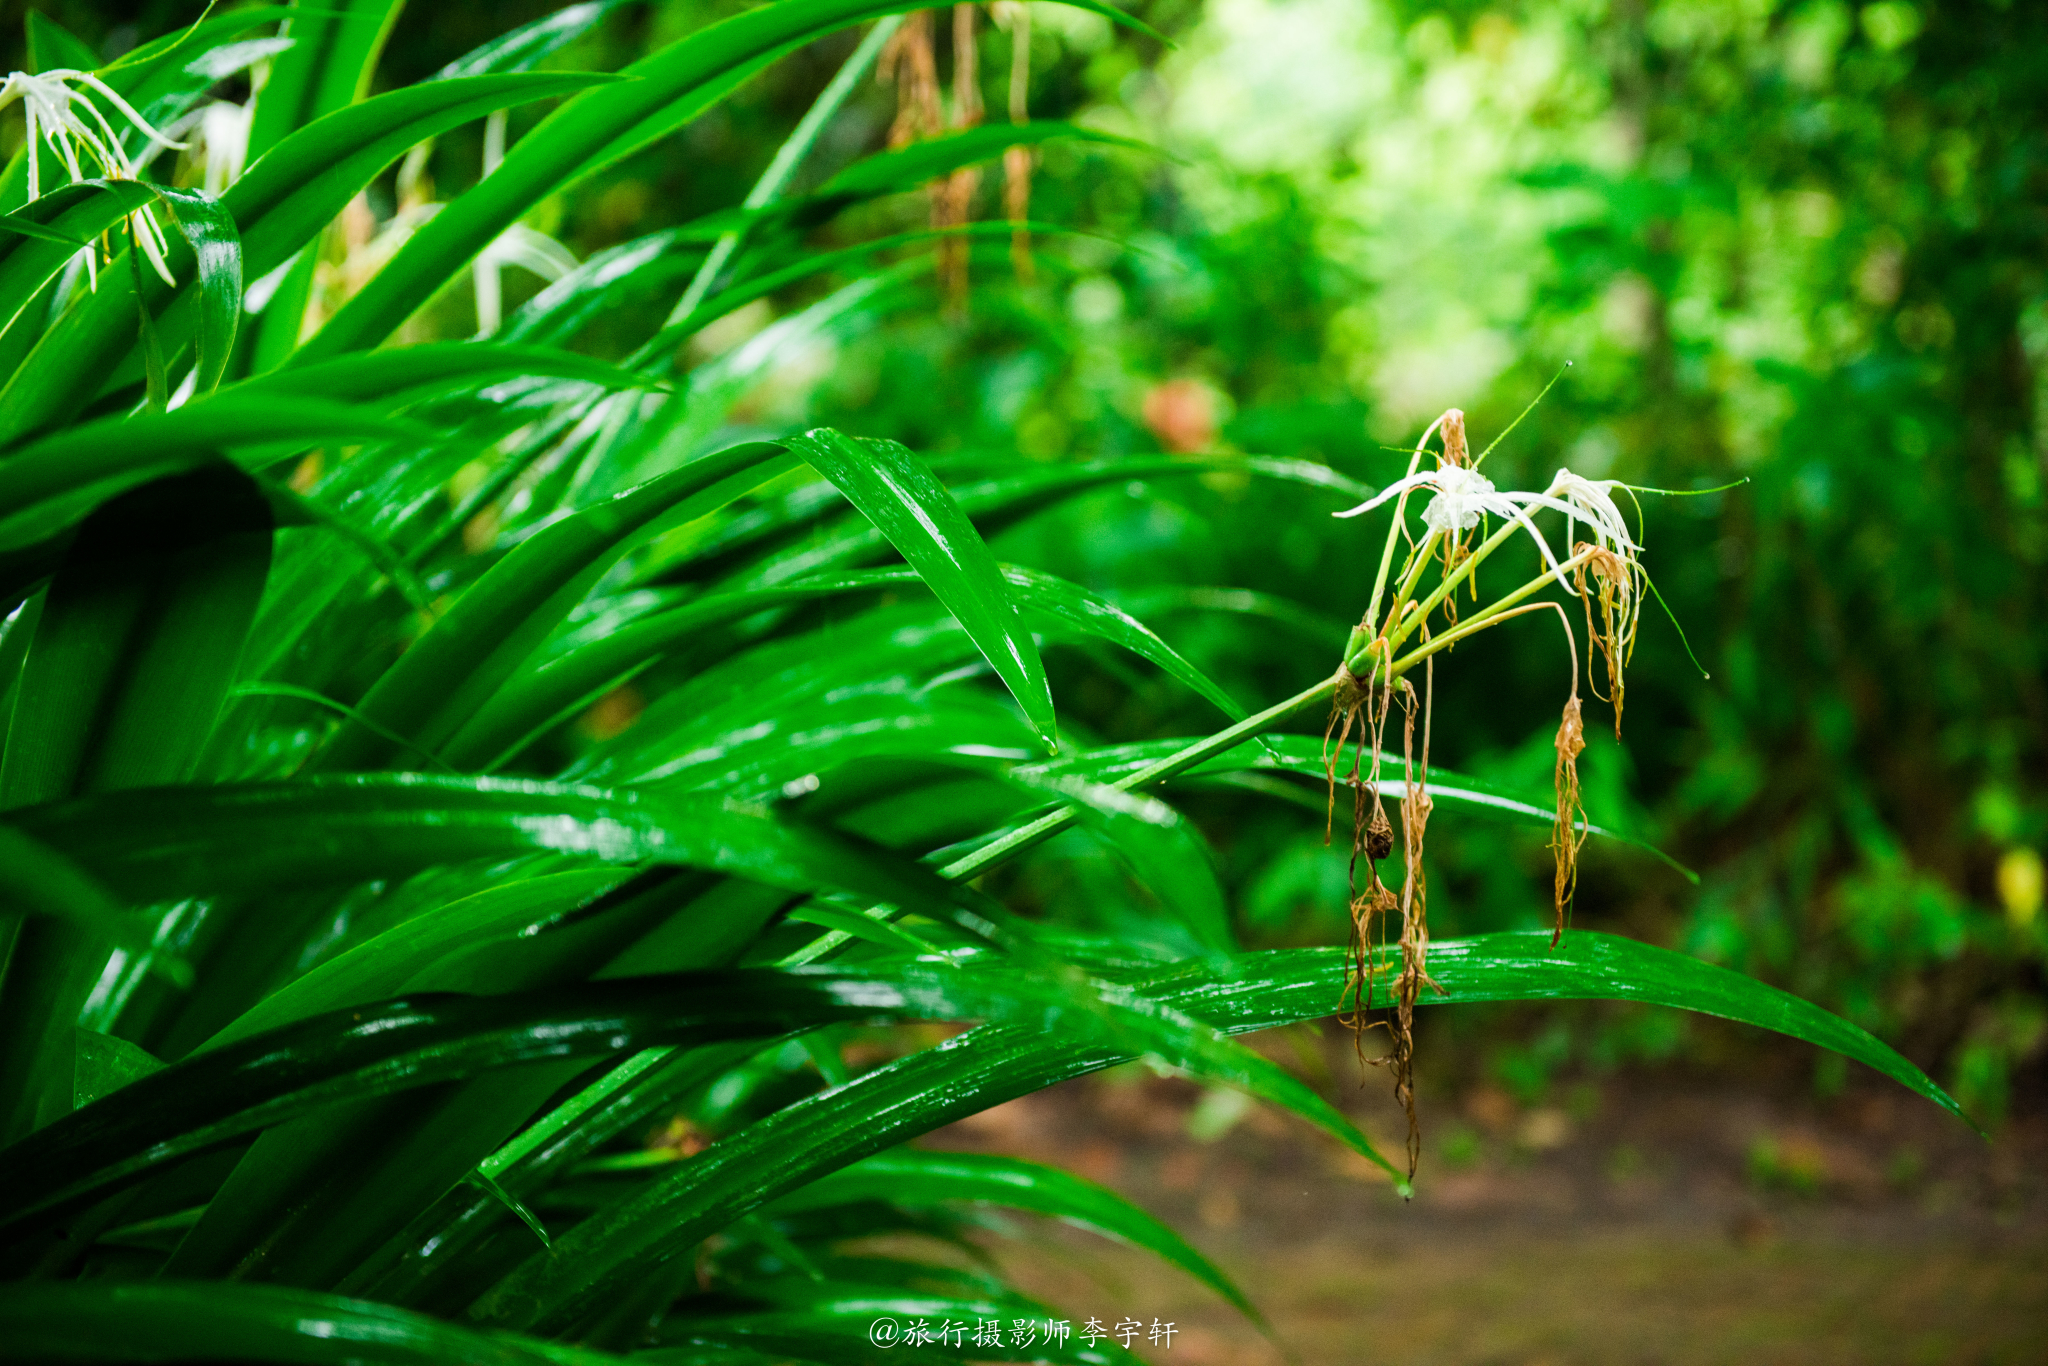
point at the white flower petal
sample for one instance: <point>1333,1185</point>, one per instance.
<point>1398,487</point>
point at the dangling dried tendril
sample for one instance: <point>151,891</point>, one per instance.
<point>1620,604</point>
<point>908,63</point>
<point>1372,836</point>
<point>1017,159</point>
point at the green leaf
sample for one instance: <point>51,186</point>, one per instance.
<point>170,1321</point>
<point>1303,755</point>
<point>160,844</point>
<point>1163,850</point>
<point>165,77</point>
<point>133,654</point>
<point>661,345</point>
<point>995,500</point>
<point>36,880</point>
<point>402,956</point>
<point>602,282</point>
<point>329,65</point>
<point>628,1095</point>
<point>1522,966</point>
<point>908,167</point>
<point>280,204</point>
<point>545,694</point>
<point>54,482</point>
<point>665,91</point>
<point>914,1177</point>
<point>214,1097</point>
<point>522,48</point>
<point>29,261</point>
<point>525,1215</point>
<point>24,226</point>
<point>407,374</point>
<point>333,59</point>
<point>996,1063</point>
<point>217,250</point>
<point>436,685</point>
<point>1076,608</point>
<point>320,1195</point>
<point>900,495</point>
<point>104,1064</point>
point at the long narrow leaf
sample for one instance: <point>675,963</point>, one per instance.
<point>193,1321</point>
<point>666,90</point>
<point>914,1177</point>
<point>911,507</point>
<point>802,1142</point>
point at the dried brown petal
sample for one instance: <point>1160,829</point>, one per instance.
<point>1568,830</point>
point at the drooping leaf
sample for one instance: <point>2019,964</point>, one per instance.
<point>996,1063</point>
<point>398,375</point>
<point>54,482</point>
<point>217,255</point>
<point>171,1321</point>
<point>522,48</point>
<point>915,1177</point>
<point>1303,755</point>
<point>104,1064</point>
<point>210,1099</point>
<point>434,687</point>
<point>1164,851</point>
<point>913,509</point>
<point>543,695</point>
<point>157,844</point>
<point>137,642</point>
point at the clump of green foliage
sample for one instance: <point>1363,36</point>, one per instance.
<point>432,767</point>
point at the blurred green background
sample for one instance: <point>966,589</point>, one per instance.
<point>1801,245</point>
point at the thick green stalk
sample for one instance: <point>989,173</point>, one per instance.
<point>1179,761</point>
<point>1397,609</point>
<point>1052,822</point>
<point>1379,583</point>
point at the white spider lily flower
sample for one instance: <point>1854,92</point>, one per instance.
<point>52,108</point>
<point>1592,501</point>
<point>1463,496</point>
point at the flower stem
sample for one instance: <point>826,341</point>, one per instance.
<point>1494,613</point>
<point>1379,584</point>
<point>1465,570</point>
<point>1179,761</point>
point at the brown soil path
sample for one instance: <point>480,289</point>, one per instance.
<point>1663,1222</point>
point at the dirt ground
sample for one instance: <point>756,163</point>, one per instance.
<point>1640,1220</point>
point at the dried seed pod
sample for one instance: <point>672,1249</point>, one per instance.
<point>1456,451</point>
<point>1568,832</point>
<point>1379,836</point>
